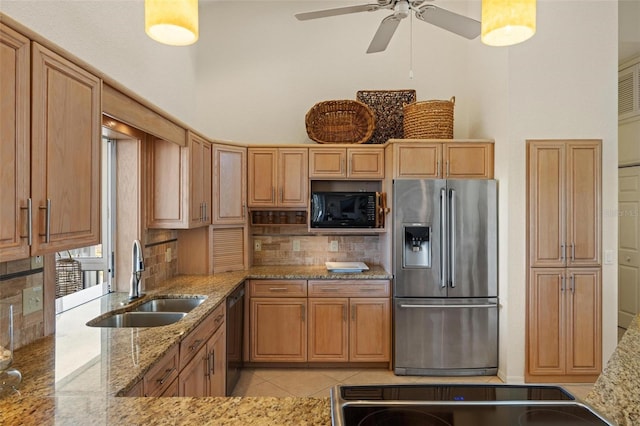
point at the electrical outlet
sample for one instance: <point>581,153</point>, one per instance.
<point>296,245</point>
<point>31,300</point>
<point>167,255</point>
<point>37,262</point>
<point>257,245</point>
<point>333,245</point>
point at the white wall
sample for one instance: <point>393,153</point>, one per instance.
<point>109,35</point>
<point>256,71</point>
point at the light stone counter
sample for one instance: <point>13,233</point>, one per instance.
<point>616,393</point>
<point>74,376</point>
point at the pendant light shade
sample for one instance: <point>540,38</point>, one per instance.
<point>173,22</point>
<point>507,22</point>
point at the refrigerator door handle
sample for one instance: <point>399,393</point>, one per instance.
<point>492,305</point>
<point>452,239</point>
<point>443,238</point>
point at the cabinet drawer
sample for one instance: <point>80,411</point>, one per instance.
<point>349,288</point>
<point>278,288</point>
<point>161,375</point>
<point>198,337</point>
<point>172,390</point>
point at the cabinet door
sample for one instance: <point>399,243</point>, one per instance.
<point>327,163</point>
<point>278,329</point>
<point>418,160</point>
<point>263,163</point>
<point>168,188</point>
<point>328,330</point>
<point>217,363</point>
<point>194,377</point>
<point>468,160</point>
<point>200,181</point>
<point>546,322</point>
<point>584,318</point>
<point>230,185</point>
<point>547,193</point>
<point>365,163</point>
<point>15,71</point>
<point>370,330</point>
<point>293,176</point>
<point>65,153</point>
<point>584,223</point>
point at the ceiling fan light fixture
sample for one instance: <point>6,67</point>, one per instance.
<point>172,22</point>
<point>507,22</point>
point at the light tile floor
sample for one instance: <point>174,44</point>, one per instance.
<point>316,382</point>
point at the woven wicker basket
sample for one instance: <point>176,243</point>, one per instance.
<point>68,276</point>
<point>341,121</point>
<point>429,119</point>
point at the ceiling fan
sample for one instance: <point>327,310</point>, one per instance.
<point>423,9</point>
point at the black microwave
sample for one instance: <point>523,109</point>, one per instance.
<point>347,210</point>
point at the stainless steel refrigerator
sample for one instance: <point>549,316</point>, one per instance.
<point>445,277</point>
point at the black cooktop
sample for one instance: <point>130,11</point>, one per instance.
<point>458,405</point>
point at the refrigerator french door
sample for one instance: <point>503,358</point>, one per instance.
<point>445,277</point>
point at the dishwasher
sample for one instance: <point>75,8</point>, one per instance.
<point>235,326</point>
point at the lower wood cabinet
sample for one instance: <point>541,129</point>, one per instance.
<point>202,358</point>
<point>161,376</point>
<point>564,325</point>
<point>320,321</point>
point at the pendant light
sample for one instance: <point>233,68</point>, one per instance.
<point>507,22</point>
<point>173,22</point>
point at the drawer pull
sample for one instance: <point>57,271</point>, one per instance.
<point>329,289</point>
<point>219,318</point>
<point>277,289</point>
<point>196,344</point>
<point>368,289</point>
<point>166,375</point>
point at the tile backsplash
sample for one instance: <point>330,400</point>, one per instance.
<point>314,249</point>
<point>15,276</point>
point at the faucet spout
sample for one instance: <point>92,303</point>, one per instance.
<point>137,261</point>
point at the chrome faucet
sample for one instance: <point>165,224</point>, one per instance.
<point>136,273</point>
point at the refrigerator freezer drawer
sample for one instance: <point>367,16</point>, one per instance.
<point>445,336</point>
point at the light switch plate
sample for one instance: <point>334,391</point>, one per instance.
<point>333,245</point>
<point>31,300</point>
<point>37,262</point>
<point>257,245</point>
<point>167,255</point>
<point>296,245</point>
<point>608,257</point>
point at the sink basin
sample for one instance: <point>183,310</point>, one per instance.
<point>170,305</point>
<point>138,319</point>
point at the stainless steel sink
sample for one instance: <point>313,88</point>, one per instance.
<point>170,305</point>
<point>138,319</point>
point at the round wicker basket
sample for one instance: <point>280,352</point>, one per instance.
<point>429,119</point>
<point>340,121</point>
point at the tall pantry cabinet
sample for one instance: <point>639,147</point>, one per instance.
<point>564,341</point>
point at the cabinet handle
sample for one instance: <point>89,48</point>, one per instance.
<point>573,284</point>
<point>195,345</point>
<point>281,195</point>
<point>244,210</point>
<point>212,358</point>
<point>573,252</point>
<point>329,289</point>
<point>205,211</point>
<point>562,283</point>
<point>277,289</point>
<point>448,169</point>
<point>167,373</point>
<point>368,289</point>
<point>47,232</point>
<point>563,250</point>
<point>218,319</point>
<point>29,235</point>
<point>273,194</point>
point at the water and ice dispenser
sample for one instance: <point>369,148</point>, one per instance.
<point>416,252</point>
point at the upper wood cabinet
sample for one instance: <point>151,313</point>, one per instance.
<point>459,160</point>
<point>564,185</point>
<point>351,163</point>
<point>278,177</point>
<point>200,172</point>
<point>229,185</point>
<point>179,183</point>
<point>15,69</point>
<point>65,153</point>
<point>564,324</point>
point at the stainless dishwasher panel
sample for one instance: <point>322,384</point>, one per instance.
<point>446,336</point>
<point>235,326</point>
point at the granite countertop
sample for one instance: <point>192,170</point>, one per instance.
<point>74,376</point>
<point>616,393</point>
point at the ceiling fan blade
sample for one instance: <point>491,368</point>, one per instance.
<point>450,21</point>
<point>383,36</point>
<point>337,11</point>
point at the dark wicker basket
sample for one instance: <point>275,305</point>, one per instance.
<point>341,121</point>
<point>429,120</point>
<point>68,276</point>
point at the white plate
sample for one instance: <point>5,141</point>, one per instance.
<point>346,266</point>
